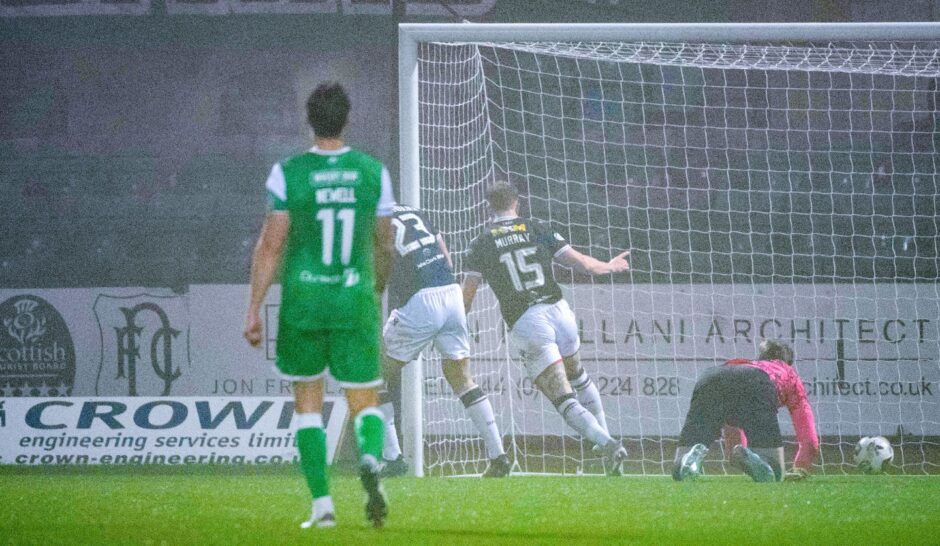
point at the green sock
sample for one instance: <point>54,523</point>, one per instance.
<point>370,434</point>
<point>311,442</point>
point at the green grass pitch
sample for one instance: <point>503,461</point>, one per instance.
<point>250,506</point>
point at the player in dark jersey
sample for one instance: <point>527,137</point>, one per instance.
<point>427,307</point>
<point>514,255</point>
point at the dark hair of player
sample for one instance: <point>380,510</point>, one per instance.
<point>501,196</point>
<point>770,349</point>
<point>327,109</point>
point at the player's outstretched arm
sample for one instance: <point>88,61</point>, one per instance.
<point>382,251</point>
<point>804,424</point>
<point>806,438</point>
<point>264,265</point>
<point>583,263</point>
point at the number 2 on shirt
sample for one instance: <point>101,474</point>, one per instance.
<point>424,238</point>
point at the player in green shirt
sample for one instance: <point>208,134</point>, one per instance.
<point>328,233</point>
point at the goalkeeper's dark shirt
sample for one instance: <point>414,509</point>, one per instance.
<point>419,261</point>
<point>514,256</point>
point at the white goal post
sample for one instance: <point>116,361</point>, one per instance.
<point>770,180</point>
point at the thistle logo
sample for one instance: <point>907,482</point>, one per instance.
<point>37,357</point>
<point>136,331</point>
<point>25,326</point>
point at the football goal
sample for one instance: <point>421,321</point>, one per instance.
<point>770,181</point>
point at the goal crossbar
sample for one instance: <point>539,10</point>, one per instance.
<point>409,34</point>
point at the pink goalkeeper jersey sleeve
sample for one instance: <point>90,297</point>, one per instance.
<point>792,394</point>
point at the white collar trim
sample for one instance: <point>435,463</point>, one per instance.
<point>507,217</point>
<point>338,151</point>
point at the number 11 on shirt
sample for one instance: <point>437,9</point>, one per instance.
<point>347,217</point>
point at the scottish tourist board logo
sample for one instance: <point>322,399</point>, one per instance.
<point>144,344</point>
<point>37,356</point>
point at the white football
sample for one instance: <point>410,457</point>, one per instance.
<point>873,454</point>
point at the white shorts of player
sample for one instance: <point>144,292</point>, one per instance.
<point>543,335</point>
<point>433,315</point>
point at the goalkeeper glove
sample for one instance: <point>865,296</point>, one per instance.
<point>796,474</point>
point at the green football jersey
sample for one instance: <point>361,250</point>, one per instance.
<point>327,274</point>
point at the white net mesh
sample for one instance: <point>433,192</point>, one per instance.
<point>784,190</point>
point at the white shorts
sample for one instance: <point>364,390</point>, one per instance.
<point>543,335</point>
<point>431,315</point>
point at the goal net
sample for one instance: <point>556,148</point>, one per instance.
<point>765,190</point>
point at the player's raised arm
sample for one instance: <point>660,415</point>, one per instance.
<point>583,263</point>
<point>264,266</point>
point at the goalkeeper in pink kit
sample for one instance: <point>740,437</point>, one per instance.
<point>742,398</point>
